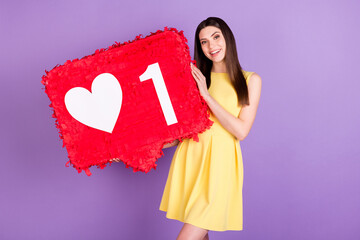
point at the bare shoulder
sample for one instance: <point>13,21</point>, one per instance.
<point>254,83</point>
<point>255,79</point>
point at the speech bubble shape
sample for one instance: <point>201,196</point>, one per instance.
<point>148,98</point>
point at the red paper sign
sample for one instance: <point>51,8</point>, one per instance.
<point>127,101</point>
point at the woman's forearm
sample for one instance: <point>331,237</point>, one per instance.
<point>239,126</point>
<point>231,123</point>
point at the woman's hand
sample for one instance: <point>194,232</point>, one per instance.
<point>115,160</point>
<point>200,81</point>
<point>175,142</point>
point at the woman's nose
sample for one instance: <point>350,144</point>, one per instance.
<point>211,44</point>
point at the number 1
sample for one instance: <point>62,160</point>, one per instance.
<point>153,72</point>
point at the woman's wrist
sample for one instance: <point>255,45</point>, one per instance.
<point>207,98</point>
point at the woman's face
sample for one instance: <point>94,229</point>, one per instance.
<point>213,43</point>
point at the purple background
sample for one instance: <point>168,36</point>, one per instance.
<point>301,159</point>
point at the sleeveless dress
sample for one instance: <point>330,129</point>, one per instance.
<point>205,180</point>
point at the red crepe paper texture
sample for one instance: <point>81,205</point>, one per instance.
<point>141,130</point>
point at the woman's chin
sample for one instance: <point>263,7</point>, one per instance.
<point>218,60</point>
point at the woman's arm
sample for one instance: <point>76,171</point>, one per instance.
<point>239,126</point>
<point>176,142</point>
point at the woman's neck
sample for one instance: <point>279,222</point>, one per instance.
<point>219,67</point>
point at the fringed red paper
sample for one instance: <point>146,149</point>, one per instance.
<point>141,130</point>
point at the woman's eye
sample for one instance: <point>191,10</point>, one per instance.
<point>203,42</point>
<point>217,36</point>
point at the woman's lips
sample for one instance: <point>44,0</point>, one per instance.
<point>215,53</point>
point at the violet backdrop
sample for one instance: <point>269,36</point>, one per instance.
<point>301,158</point>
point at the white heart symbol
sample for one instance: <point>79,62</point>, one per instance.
<point>99,108</point>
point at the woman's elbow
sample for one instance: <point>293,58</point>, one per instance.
<point>242,135</point>
<point>242,138</point>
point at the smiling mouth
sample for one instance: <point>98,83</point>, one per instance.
<point>215,52</point>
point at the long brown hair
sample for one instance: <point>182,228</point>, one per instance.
<point>231,59</point>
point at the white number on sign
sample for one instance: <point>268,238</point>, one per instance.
<point>153,72</point>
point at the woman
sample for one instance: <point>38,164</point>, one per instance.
<point>204,185</point>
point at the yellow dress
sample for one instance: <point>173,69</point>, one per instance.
<point>205,180</point>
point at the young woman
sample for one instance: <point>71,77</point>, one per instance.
<point>205,180</point>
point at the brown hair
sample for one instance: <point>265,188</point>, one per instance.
<point>231,59</point>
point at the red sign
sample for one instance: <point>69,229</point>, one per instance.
<point>127,101</point>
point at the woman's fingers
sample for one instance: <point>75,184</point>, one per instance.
<point>198,72</point>
<point>200,80</point>
<point>197,76</point>
<point>115,160</point>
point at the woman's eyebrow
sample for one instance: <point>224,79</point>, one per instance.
<point>211,35</point>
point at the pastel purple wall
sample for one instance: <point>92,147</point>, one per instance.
<point>301,159</point>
